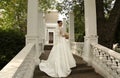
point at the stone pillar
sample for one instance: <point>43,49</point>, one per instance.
<point>71,27</point>
<point>33,27</point>
<point>41,26</point>
<point>41,30</point>
<point>64,24</point>
<point>90,28</point>
<point>44,26</point>
<point>40,23</point>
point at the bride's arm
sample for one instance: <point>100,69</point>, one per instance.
<point>64,34</point>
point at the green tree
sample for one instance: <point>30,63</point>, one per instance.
<point>44,5</point>
<point>12,25</point>
<point>78,9</point>
<point>107,27</point>
<point>79,22</point>
<point>107,18</point>
<point>14,14</point>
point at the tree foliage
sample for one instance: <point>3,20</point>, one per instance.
<point>12,41</point>
<point>13,22</point>
<point>14,14</point>
<point>107,27</point>
<point>108,6</point>
<point>44,5</point>
<point>65,7</point>
<point>108,17</point>
<point>79,22</point>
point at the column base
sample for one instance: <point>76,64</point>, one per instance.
<point>36,40</point>
<point>87,55</point>
<point>32,39</point>
<point>87,59</point>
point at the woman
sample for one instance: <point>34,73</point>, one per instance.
<point>60,59</point>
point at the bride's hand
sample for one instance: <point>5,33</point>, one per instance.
<point>66,35</point>
<point>63,35</point>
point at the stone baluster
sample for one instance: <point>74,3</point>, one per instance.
<point>114,67</point>
<point>101,55</point>
<point>118,69</point>
<point>108,62</point>
<point>104,60</point>
<point>94,53</point>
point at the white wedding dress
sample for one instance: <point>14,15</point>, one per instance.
<point>60,60</point>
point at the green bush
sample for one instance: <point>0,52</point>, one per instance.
<point>11,42</point>
<point>79,37</point>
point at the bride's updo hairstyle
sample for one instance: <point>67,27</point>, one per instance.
<point>59,21</point>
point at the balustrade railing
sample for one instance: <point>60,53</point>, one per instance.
<point>22,65</point>
<point>105,61</point>
<point>77,48</point>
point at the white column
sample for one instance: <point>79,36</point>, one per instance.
<point>40,21</point>
<point>41,30</point>
<point>71,27</point>
<point>90,28</point>
<point>44,26</point>
<point>32,26</point>
<point>64,24</point>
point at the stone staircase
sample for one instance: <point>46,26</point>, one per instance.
<point>80,71</point>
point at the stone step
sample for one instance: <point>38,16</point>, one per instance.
<point>80,70</point>
<point>76,70</point>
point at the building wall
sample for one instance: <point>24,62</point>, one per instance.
<point>51,17</point>
<point>51,23</point>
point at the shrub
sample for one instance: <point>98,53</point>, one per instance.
<point>11,42</point>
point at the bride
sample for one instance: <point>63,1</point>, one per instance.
<point>60,60</point>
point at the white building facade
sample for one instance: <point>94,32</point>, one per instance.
<point>50,26</point>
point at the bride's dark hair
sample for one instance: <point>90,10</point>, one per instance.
<point>59,21</point>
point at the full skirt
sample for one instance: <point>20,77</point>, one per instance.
<point>60,60</point>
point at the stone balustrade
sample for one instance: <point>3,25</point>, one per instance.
<point>105,61</point>
<point>77,48</point>
<point>22,65</point>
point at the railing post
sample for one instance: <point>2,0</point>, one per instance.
<point>90,28</point>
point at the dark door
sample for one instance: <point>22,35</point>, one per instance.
<point>50,37</point>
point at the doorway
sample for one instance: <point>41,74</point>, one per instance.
<point>51,37</point>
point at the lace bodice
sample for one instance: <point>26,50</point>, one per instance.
<point>59,32</point>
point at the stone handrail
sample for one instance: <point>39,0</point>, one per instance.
<point>22,65</point>
<point>105,61</point>
<point>77,48</point>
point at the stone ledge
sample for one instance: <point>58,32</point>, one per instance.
<point>15,64</point>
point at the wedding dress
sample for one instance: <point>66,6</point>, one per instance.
<point>60,60</point>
